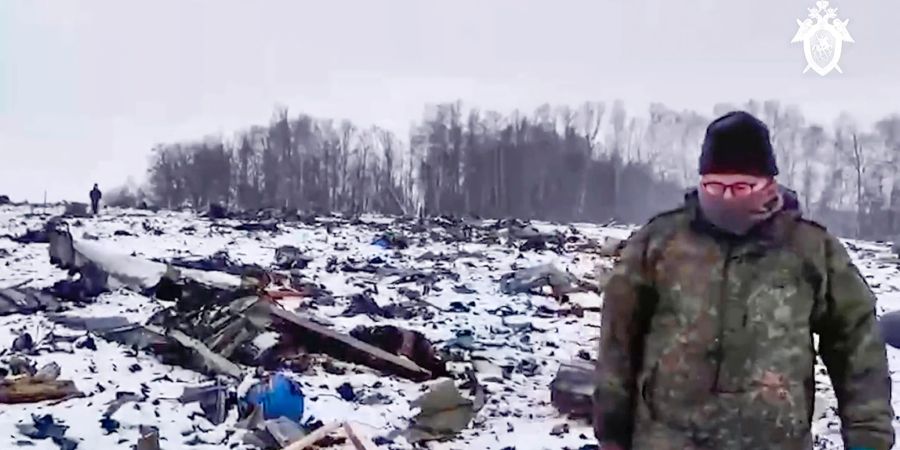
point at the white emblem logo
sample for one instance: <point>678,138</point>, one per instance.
<point>822,38</point>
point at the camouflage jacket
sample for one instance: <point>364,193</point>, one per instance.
<point>707,339</point>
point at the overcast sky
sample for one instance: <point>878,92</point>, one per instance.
<point>87,87</point>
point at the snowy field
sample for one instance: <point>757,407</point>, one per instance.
<point>506,328</point>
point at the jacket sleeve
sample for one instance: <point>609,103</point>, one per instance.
<point>627,305</point>
<point>852,347</point>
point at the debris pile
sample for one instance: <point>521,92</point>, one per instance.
<point>219,261</point>
<point>26,301</point>
<point>77,210</point>
<point>434,314</point>
<point>36,235</point>
<point>289,257</point>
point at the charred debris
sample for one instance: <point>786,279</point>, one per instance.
<point>234,322</point>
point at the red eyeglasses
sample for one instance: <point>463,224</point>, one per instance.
<point>739,189</point>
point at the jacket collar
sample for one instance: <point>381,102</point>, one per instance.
<point>772,231</point>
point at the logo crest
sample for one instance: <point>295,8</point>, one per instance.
<point>822,34</point>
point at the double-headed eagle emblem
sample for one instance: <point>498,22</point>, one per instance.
<point>822,34</point>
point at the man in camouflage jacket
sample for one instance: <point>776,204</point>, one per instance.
<point>708,319</point>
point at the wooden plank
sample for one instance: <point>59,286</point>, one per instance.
<point>402,366</point>
<point>31,390</point>
<point>313,437</point>
<point>360,442</point>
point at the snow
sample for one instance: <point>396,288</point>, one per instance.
<point>518,412</point>
<point>146,273</point>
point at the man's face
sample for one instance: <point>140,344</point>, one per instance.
<point>729,186</point>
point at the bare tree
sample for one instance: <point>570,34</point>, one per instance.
<point>813,140</point>
<point>559,163</point>
<point>849,147</point>
<point>889,130</point>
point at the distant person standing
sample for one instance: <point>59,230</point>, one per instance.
<point>96,195</point>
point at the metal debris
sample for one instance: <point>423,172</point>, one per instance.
<point>572,388</point>
<point>443,413</point>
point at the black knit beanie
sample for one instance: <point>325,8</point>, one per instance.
<point>738,143</point>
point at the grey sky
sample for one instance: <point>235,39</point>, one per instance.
<point>87,87</point>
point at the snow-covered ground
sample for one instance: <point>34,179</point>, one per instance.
<point>518,413</point>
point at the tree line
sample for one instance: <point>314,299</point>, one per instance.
<point>595,162</point>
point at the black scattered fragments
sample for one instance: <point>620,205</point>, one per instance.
<point>289,257</point>
<point>217,262</point>
<point>44,427</point>
<point>27,301</point>
<point>214,329</point>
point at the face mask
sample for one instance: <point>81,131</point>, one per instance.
<point>738,214</point>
